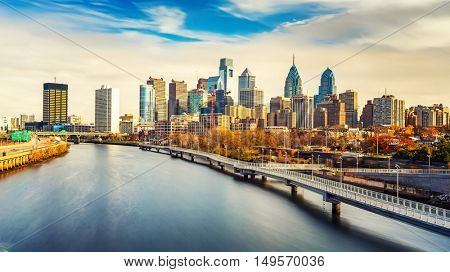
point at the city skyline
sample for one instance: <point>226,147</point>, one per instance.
<point>146,54</point>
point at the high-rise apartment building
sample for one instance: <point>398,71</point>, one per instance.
<point>26,118</point>
<point>107,109</point>
<point>178,98</point>
<point>388,111</point>
<point>126,124</point>
<point>55,101</point>
<point>159,86</point>
<point>350,99</point>
<point>327,86</point>
<point>261,116</point>
<point>303,107</point>
<point>147,104</point>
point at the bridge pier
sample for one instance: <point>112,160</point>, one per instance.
<point>252,177</point>
<point>222,167</point>
<point>245,177</point>
<point>263,178</point>
<point>336,208</point>
<point>210,163</point>
<point>192,158</point>
<point>294,189</point>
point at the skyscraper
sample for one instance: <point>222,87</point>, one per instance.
<point>330,113</point>
<point>293,83</point>
<point>279,103</point>
<point>327,86</point>
<point>147,102</point>
<point>226,71</point>
<point>387,111</point>
<point>303,107</point>
<point>159,85</point>
<point>107,109</point>
<point>55,103</point>
<point>350,98</point>
<point>249,95</point>
<point>367,115</point>
<point>178,98</point>
<point>197,99</point>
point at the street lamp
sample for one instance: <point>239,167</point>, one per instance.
<point>398,169</point>
<point>312,168</point>
<point>270,155</point>
<point>357,161</point>
<point>429,161</point>
<point>389,162</point>
<point>285,157</point>
<point>341,171</point>
<point>226,151</point>
<point>318,159</point>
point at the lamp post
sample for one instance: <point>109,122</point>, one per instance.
<point>312,168</point>
<point>285,157</point>
<point>429,161</point>
<point>318,159</point>
<point>341,172</point>
<point>226,151</point>
<point>389,162</point>
<point>398,168</point>
<point>357,161</point>
<point>270,156</point>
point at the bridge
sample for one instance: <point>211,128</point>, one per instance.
<point>68,134</point>
<point>408,211</point>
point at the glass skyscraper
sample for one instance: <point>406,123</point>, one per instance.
<point>146,104</point>
<point>327,86</point>
<point>293,84</point>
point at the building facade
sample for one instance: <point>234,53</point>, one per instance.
<point>330,113</point>
<point>178,98</point>
<point>293,82</point>
<point>159,87</point>
<point>350,99</point>
<point>107,109</point>
<point>55,103</point>
<point>197,99</point>
<point>303,107</point>
<point>367,115</point>
<point>279,103</point>
<point>388,111</point>
<point>327,86</point>
<point>147,104</point>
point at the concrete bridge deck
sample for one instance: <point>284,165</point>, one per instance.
<point>411,212</point>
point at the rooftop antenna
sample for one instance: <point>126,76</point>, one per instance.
<point>293,59</point>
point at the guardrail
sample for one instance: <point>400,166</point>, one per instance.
<point>400,206</point>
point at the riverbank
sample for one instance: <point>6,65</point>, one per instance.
<point>22,158</point>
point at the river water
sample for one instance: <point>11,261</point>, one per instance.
<point>118,198</point>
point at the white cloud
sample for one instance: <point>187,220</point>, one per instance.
<point>166,19</point>
<point>413,64</point>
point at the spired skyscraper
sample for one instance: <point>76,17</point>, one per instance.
<point>327,86</point>
<point>293,84</point>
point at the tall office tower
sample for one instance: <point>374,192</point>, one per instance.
<point>246,85</point>
<point>147,101</point>
<point>178,98</point>
<point>159,86</point>
<point>221,101</point>
<point>197,99</point>
<point>367,115</point>
<point>327,86</point>
<point>225,75</point>
<point>387,110</point>
<point>285,118</point>
<point>350,98</point>
<point>201,84</point>
<point>107,109</point>
<point>249,95</point>
<point>293,83</point>
<point>55,103</point>
<point>330,112</point>
<point>279,103</point>
<point>303,107</point>
<point>26,118</point>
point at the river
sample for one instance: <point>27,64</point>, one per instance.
<point>118,198</point>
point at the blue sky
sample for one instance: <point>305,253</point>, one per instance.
<point>174,20</point>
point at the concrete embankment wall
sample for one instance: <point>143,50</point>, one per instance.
<point>22,158</point>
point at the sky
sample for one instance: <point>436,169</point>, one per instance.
<point>184,40</point>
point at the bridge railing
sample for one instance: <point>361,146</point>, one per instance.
<point>421,211</point>
<point>401,206</point>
